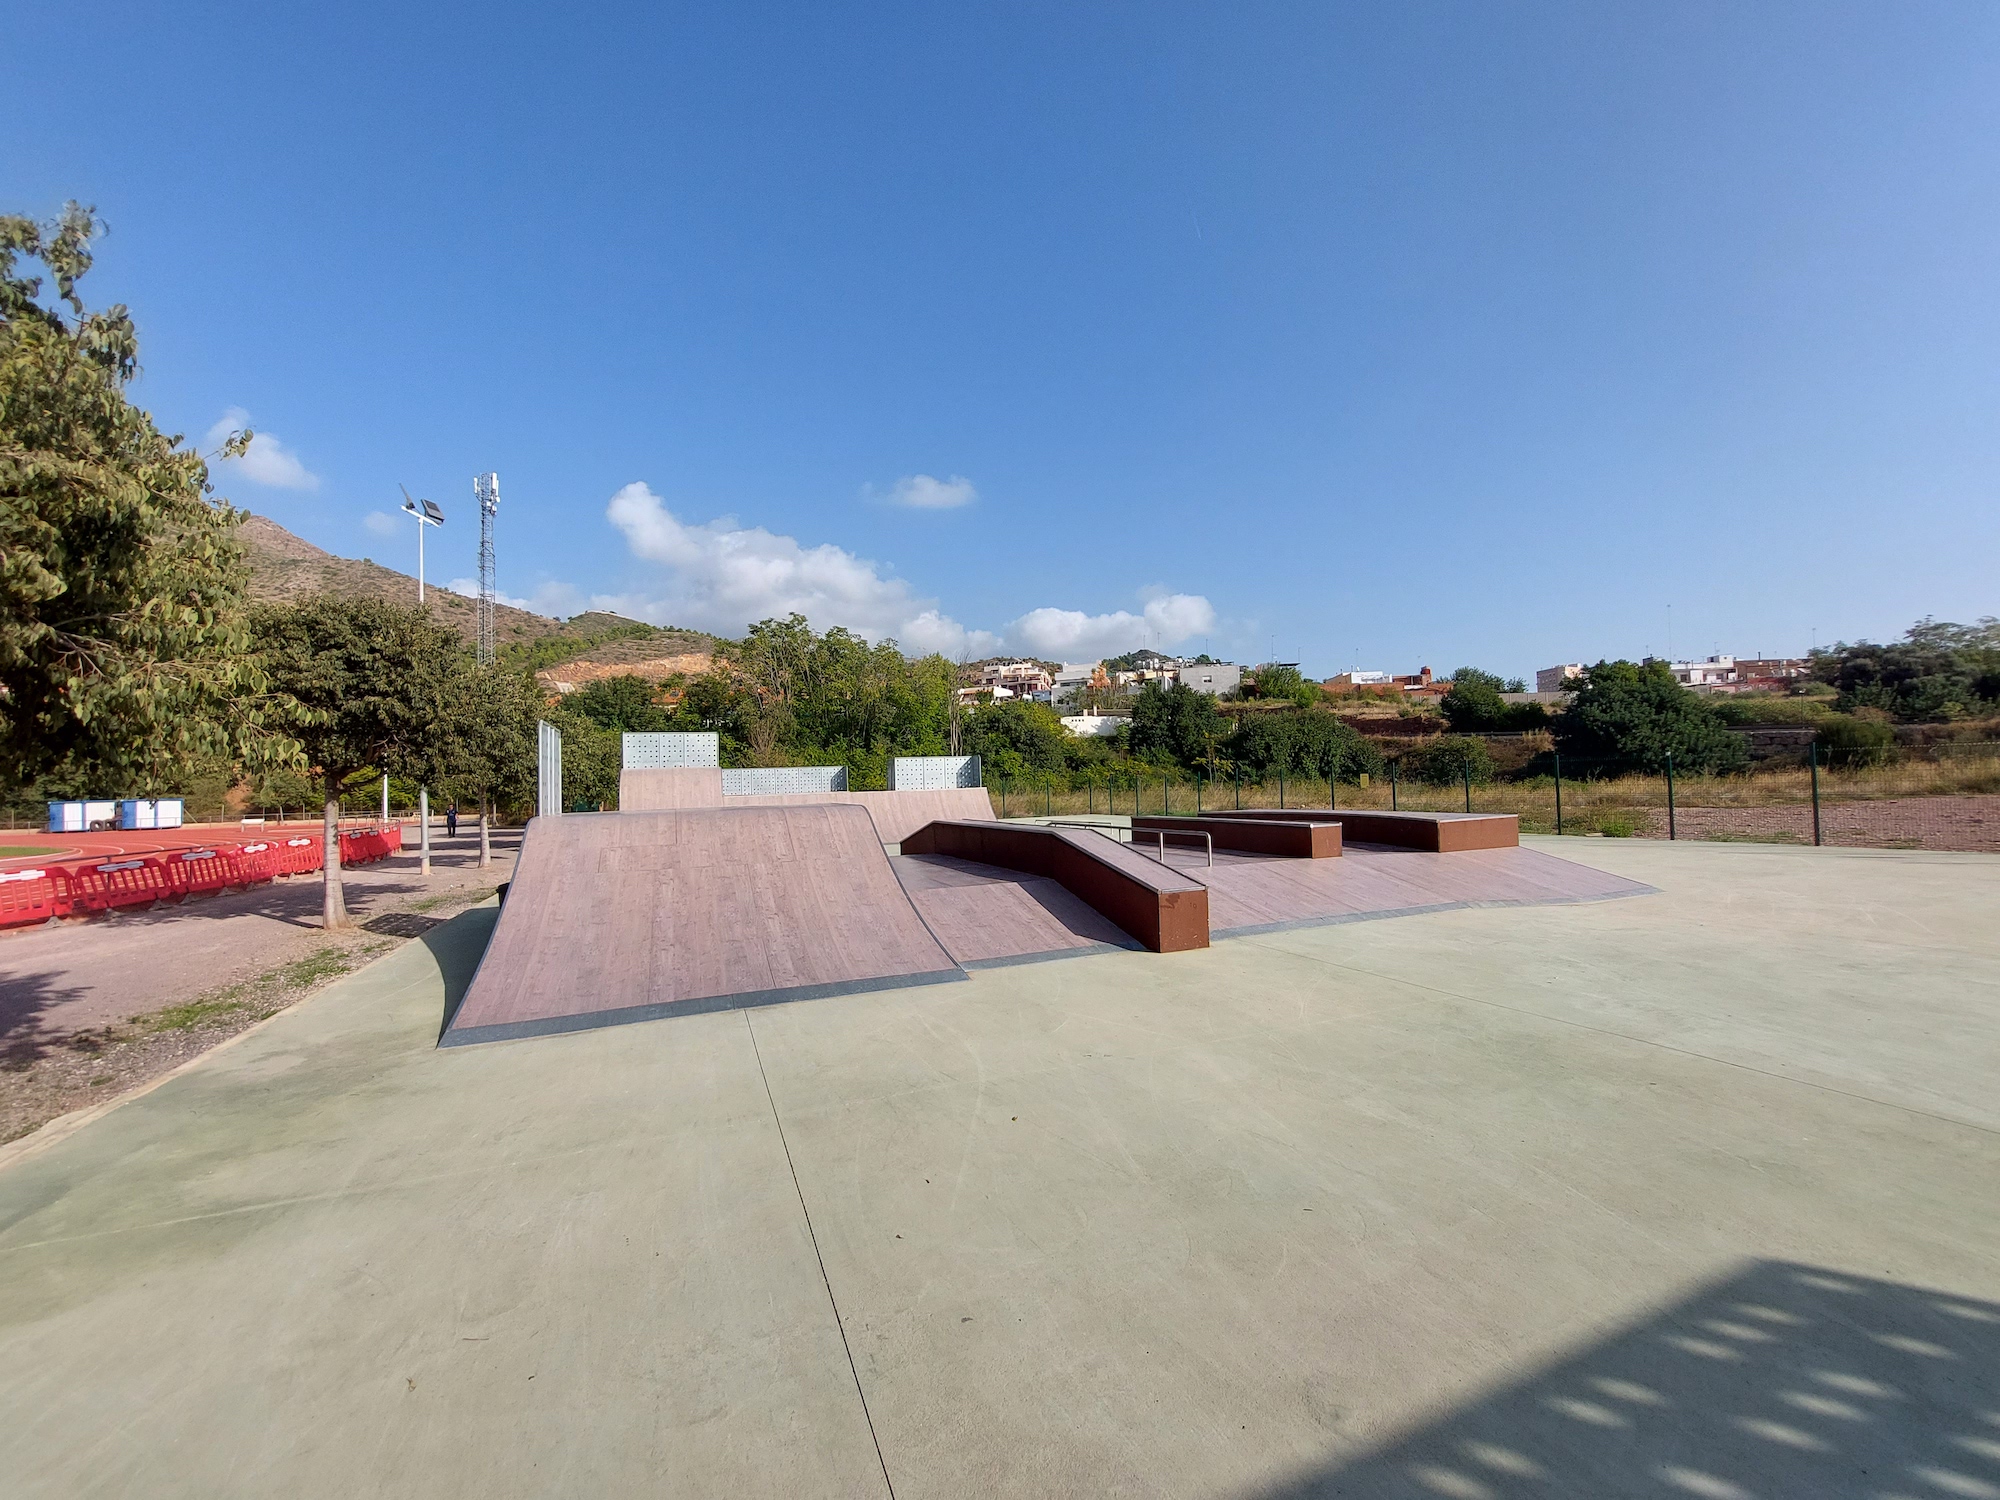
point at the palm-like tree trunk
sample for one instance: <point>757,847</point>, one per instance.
<point>485,842</point>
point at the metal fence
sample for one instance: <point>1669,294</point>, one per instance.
<point>1947,798</point>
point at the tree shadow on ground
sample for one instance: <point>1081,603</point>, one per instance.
<point>457,946</point>
<point>24,1000</point>
<point>1780,1380</point>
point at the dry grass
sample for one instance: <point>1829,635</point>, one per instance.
<point>1621,806</point>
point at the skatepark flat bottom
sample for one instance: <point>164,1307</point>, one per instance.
<point>985,915</point>
<point>1250,893</point>
<point>616,917</point>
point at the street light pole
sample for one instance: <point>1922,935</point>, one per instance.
<point>427,514</point>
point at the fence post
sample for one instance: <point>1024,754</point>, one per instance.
<point>1166,795</point>
<point>1814,748</point>
<point>1003,798</point>
<point>1465,767</point>
<point>1670,795</point>
<point>1239,789</point>
<point>1197,794</point>
<point>1281,788</point>
<point>1559,790</point>
<point>1090,791</point>
<point>1049,800</point>
<point>1392,784</point>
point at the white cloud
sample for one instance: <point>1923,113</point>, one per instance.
<point>724,577</point>
<point>922,492</point>
<point>381,523</point>
<point>1072,635</point>
<point>266,461</point>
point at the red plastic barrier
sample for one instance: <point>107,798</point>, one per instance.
<point>30,896</point>
<point>100,884</point>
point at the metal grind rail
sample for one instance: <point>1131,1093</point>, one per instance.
<point>1111,830</point>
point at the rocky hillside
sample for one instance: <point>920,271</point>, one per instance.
<point>284,567</point>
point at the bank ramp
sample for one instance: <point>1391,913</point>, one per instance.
<point>617,917</point>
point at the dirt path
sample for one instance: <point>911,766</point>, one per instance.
<point>1971,824</point>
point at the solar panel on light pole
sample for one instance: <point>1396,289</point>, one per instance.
<point>428,515</point>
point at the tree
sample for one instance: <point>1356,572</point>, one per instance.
<point>490,751</point>
<point>378,683</point>
<point>1473,704</point>
<point>1642,715</point>
<point>1448,760</point>
<point>621,703</point>
<point>1938,671</point>
<point>1311,741</point>
<point>1274,680</point>
<point>1175,724</point>
<point>124,652</point>
<point>1016,739</point>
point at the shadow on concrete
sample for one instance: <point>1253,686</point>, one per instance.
<point>1781,1380</point>
<point>458,945</point>
<point>25,999</point>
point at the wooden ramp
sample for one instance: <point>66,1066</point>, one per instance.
<point>616,917</point>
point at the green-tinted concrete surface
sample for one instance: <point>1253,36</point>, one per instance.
<point>1689,1194</point>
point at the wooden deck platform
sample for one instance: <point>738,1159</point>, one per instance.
<point>1250,893</point>
<point>1439,833</point>
<point>616,917</point>
<point>1286,839</point>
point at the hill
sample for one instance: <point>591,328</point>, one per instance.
<point>284,567</point>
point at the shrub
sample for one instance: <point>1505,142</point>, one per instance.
<point>1447,761</point>
<point>1641,715</point>
<point>1849,740</point>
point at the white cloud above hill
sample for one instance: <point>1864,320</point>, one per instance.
<point>267,461</point>
<point>722,576</point>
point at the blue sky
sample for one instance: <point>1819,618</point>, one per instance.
<point>1388,335</point>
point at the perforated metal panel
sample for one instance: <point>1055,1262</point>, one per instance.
<point>775,779</point>
<point>933,773</point>
<point>669,752</point>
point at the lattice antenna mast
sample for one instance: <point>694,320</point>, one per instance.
<point>486,490</point>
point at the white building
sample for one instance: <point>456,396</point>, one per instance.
<point>1553,679</point>
<point>1212,677</point>
<point>1710,671</point>
<point>1084,726</point>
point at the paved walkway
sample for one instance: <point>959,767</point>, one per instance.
<point>1680,1195</point>
<point>80,974</point>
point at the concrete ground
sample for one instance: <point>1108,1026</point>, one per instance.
<point>1682,1195</point>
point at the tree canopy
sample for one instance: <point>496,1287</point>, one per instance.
<point>1175,724</point>
<point>1937,671</point>
<point>1473,704</point>
<point>379,687</point>
<point>1636,716</point>
<point>124,650</point>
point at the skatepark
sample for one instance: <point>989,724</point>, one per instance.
<point>826,1143</point>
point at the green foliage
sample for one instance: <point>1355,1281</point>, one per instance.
<point>1307,742</point>
<point>624,702</point>
<point>1938,671</point>
<point>591,756</point>
<point>1473,705</point>
<point>379,682</point>
<point>1272,682</point>
<point>1017,741</point>
<point>1447,761</point>
<point>1767,708</point>
<point>1641,715</point>
<point>554,650</point>
<point>489,753</point>
<point>123,646</point>
<point>1175,726</point>
<point>1850,741</point>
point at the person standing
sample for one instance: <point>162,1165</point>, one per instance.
<point>451,821</point>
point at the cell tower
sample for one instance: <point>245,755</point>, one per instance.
<point>486,490</point>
